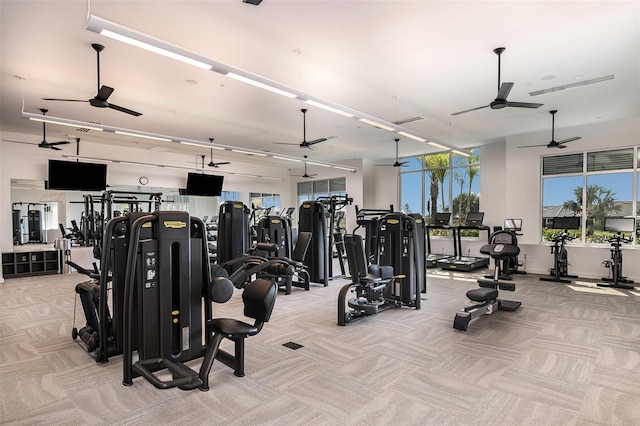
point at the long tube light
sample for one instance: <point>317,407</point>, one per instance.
<point>414,137</point>
<point>437,145</point>
<point>261,85</point>
<point>63,122</point>
<point>145,41</point>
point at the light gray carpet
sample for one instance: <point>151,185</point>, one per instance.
<point>569,356</point>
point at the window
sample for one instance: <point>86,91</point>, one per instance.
<point>593,185</point>
<point>442,182</point>
<point>266,203</point>
<point>311,190</point>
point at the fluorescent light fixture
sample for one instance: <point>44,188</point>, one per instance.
<point>463,153</point>
<point>261,85</point>
<point>328,108</point>
<point>239,151</point>
<point>318,164</point>
<point>437,145</point>
<point>350,169</point>
<point>142,135</point>
<point>414,137</point>
<point>144,41</point>
<point>378,125</point>
<point>197,144</point>
<point>63,122</point>
<point>285,158</point>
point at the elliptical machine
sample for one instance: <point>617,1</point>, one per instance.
<point>618,225</point>
<point>560,268</point>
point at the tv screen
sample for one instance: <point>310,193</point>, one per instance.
<point>619,224</point>
<point>566,222</point>
<point>75,176</point>
<point>441,219</point>
<point>204,185</point>
<point>513,224</point>
<point>475,218</point>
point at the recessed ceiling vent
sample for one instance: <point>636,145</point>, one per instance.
<point>408,120</point>
<point>572,85</point>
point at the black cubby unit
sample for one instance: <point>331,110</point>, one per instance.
<point>24,264</point>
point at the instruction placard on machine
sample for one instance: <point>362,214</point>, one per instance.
<point>150,270</point>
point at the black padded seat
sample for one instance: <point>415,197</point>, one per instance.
<point>233,328</point>
<point>483,294</point>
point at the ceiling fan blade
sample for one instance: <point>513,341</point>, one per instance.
<point>65,100</point>
<point>575,138</point>
<point>125,110</point>
<point>523,105</point>
<point>504,90</point>
<point>58,143</point>
<point>469,110</point>
<point>212,164</point>
<point>104,93</point>
<point>532,146</point>
<point>315,141</point>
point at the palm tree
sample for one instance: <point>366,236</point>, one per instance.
<point>461,208</point>
<point>438,165</point>
<point>600,202</point>
<point>473,172</point>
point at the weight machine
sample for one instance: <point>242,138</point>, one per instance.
<point>334,207</point>
<point>368,219</point>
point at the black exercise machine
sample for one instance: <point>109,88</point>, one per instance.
<point>560,271</point>
<point>368,219</point>
<point>401,245</point>
<point>619,226</point>
<point>439,221</point>
<point>486,297</point>
<point>311,218</point>
<point>233,232</point>
<point>334,206</point>
<point>466,263</point>
<point>376,287</point>
<point>168,304</point>
<point>509,236</point>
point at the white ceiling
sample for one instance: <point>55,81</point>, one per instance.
<point>390,59</point>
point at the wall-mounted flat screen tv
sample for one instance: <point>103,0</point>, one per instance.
<point>204,185</point>
<point>76,176</point>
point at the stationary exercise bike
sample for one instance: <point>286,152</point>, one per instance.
<point>560,268</point>
<point>486,297</point>
<point>618,225</point>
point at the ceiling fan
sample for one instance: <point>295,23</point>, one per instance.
<point>503,91</point>
<point>554,143</point>
<point>100,100</point>
<point>211,163</point>
<point>44,143</point>
<point>398,163</point>
<point>305,175</point>
<point>304,143</point>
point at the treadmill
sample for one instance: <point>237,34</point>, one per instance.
<point>440,221</point>
<point>467,263</point>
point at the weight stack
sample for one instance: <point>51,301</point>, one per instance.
<point>397,247</point>
<point>311,218</point>
<point>233,232</point>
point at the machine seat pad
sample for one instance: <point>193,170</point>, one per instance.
<point>370,278</point>
<point>232,327</point>
<point>482,294</point>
